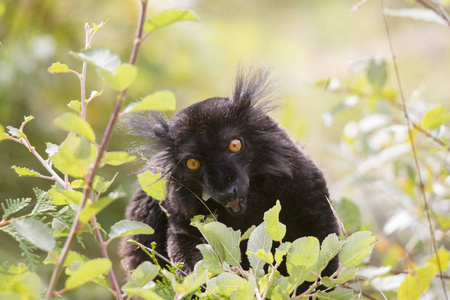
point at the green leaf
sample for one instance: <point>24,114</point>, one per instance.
<point>168,17</point>
<point>142,277</point>
<point>423,14</point>
<point>210,261</point>
<point>74,156</point>
<point>415,284</point>
<point>14,132</point>
<point>94,208</point>
<point>95,94</point>
<point>153,184</point>
<point>63,197</point>
<point>160,101</point>
<point>128,227</point>
<point>281,251</point>
<point>259,239</point>
<point>302,257</point>
<point>102,58</point>
<point>36,233</point>
<point>73,122</point>
<point>145,294</point>
<point>273,227</point>
<point>17,282</point>
<point>3,134</point>
<point>349,214</point>
<point>443,261</point>
<point>266,256</point>
<point>356,248</point>
<point>377,72</point>
<point>338,294</point>
<point>435,117</point>
<point>87,272</point>
<point>14,205</point>
<point>58,67</point>
<point>228,282</point>
<point>224,240</point>
<point>116,158</point>
<point>25,172</point>
<point>122,78</point>
<point>75,105</point>
<point>329,249</point>
<point>70,258</point>
<point>51,149</point>
<point>26,120</point>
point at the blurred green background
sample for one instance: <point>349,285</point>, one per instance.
<point>304,41</point>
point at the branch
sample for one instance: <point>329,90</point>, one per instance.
<point>413,148</point>
<point>439,10</point>
<point>120,99</point>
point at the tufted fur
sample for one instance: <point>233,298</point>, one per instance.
<point>270,166</point>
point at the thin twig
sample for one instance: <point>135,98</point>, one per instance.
<point>440,10</point>
<point>413,148</point>
<point>120,99</point>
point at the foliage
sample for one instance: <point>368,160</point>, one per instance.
<point>380,140</point>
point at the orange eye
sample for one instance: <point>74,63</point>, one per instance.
<point>193,164</point>
<point>235,145</point>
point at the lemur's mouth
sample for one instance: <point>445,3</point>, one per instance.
<point>236,205</point>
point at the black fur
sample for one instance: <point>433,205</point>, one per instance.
<point>269,166</point>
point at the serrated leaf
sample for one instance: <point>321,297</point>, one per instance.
<point>443,261</point>
<point>302,257</point>
<point>266,256</point>
<point>58,67</point>
<point>36,233</point>
<point>74,156</point>
<point>247,233</point>
<point>122,78</point>
<point>142,276</point>
<point>63,197</point>
<point>145,294</point>
<point>75,105</point>
<point>349,214</point>
<point>16,132</point>
<point>73,122</point>
<point>26,120</point>
<point>71,257</point>
<point>422,14</point>
<point>259,239</point>
<point>95,94</point>
<point>14,205</point>
<point>116,158</point>
<point>26,172</point>
<point>168,17</point>
<point>210,261</point>
<point>281,251</point>
<point>377,72</point>
<point>273,227</point>
<point>94,208</point>
<point>159,101</point>
<point>329,249</point>
<point>356,248</point>
<point>416,284</point>
<point>87,272</point>
<point>128,227</point>
<point>99,57</point>
<point>224,240</point>
<point>153,184</point>
<point>338,294</point>
<point>228,282</point>
<point>51,149</point>
<point>434,118</point>
<point>3,134</point>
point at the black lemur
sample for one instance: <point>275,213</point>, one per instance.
<point>230,148</point>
